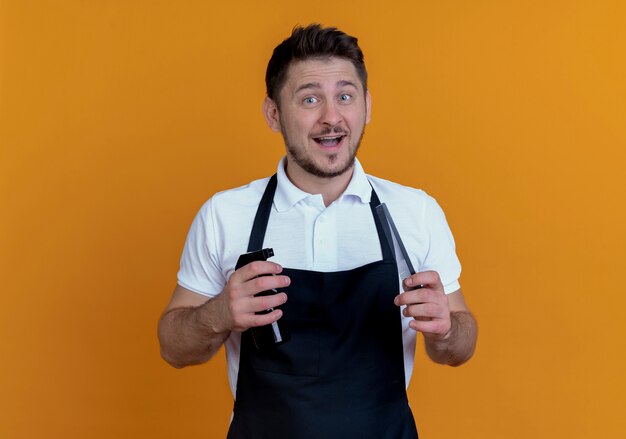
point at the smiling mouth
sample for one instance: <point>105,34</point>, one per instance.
<point>329,141</point>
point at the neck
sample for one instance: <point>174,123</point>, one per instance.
<point>330,188</point>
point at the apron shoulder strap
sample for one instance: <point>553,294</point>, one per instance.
<point>382,227</point>
<point>262,216</point>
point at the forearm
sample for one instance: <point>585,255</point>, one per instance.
<point>191,335</point>
<point>459,345</point>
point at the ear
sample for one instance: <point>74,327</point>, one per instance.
<point>368,107</point>
<point>270,111</point>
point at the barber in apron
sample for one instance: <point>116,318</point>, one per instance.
<point>342,373</point>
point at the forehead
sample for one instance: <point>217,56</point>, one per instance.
<point>323,71</point>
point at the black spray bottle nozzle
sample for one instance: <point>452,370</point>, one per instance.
<point>259,255</point>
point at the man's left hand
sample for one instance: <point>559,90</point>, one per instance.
<point>427,303</point>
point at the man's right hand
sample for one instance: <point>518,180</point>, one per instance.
<point>192,329</point>
<point>238,304</point>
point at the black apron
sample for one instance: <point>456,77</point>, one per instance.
<point>342,373</point>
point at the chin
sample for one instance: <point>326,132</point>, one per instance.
<point>330,171</point>
<point>320,164</point>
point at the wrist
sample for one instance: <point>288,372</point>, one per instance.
<point>212,316</point>
<point>442,340</point>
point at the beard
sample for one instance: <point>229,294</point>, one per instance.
<point>307,164</point>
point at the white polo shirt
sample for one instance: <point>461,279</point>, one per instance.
<point>307,235</point>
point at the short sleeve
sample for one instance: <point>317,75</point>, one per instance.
<point>441,255</point>
<point>199,264</point>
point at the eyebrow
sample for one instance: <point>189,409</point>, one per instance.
<point>317,85</point>
<point>344,83</point>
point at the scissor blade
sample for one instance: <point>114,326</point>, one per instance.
<point>393,236</point>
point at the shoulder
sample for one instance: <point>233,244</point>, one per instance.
<point>222,226</point>
<point>412,209</point>
<point>401,197</point>
<point>235,199</point>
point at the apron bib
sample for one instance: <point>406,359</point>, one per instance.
<point>342,373</point>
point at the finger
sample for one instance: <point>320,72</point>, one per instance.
<point>422,279</point>
<point>266,283</point>
<point>419,296</point>
<point>265,319</point>
<point>434,327</point>
<point>256,268</point>
<point>424,311</point>
<point>243,311</point>
<point>408,285</point>
<point>258,285</point>
<point>263,303</point>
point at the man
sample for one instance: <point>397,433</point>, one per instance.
<point>344,372</point>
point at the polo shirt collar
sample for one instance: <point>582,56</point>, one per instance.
<point>288,195</point>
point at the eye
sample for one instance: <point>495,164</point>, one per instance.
<point>345,97</point>
<point>310,100</point>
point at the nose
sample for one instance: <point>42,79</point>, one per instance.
<point>330,114</point>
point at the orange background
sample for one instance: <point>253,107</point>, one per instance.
<point>119,118</point>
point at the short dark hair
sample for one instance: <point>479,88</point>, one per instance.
<point>312,41</point>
